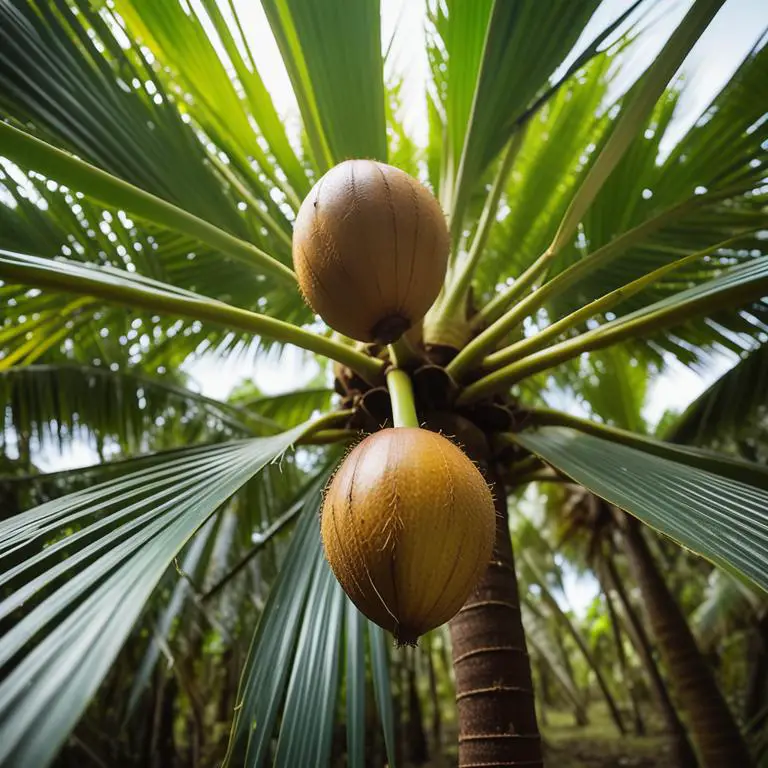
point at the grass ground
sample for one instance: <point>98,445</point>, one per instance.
<point>595,745</point>
<point>599,744</point>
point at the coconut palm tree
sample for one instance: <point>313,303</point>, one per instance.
<point>709,419</point>
<point>538,572</point>
<point>149,187</point>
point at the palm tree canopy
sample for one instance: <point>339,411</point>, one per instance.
<point>148,188</point>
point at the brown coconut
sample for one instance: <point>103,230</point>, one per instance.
<point>370,249</point>
<point>408,526</point>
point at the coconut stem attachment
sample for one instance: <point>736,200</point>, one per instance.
<point>401,394</point>
<point>405,638</point>
<point>390,329</point>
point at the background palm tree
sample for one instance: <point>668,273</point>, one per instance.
<point>149,187</point>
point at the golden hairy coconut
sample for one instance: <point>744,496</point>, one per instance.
<point>408,526</point>
<point>370,249</point>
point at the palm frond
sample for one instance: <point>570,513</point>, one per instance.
<point>23,148</point>
<point>692,506</point>
<point>648,181</point>
<point>222,101</point>
<point>128,119</point>
<point>558,143</point>
<point>51,221</point>
<point>108,106</point>
<point>648,224</point>
<point>333,56</point>
<point>65,402</point>
<point>133,290</point>
<point>733,405</point>
<point>522,47</point>
<point>735,288</point>
<point>295,654</point>
<point>161,630</point>
<point>128,531</point>
<point>286,409</point>
<point>729,604</point>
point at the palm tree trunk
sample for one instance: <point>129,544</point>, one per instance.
<point>580,713</point>
<point>714,731</point>
<point>399,710</point>
<point>494,690</point>
<point>626,672</point>
<point>543,699</point>
<point>566,622</point>
<point>682,749</point>
<point>437,723</point>
<point>567,684</point>
<point>417,738</point>
<point>756,696</point>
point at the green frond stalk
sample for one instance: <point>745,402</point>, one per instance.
<point>641,103</point>
<point>327,428</point>
<point>253,204</point>
<point>597,307</point>
<point>330,437</point>
<point>40,156</point>
<point>730,290</point>
<point>538,476</point>
<point>747,472</point>
<point>458,286</point>
<point>495,333</point>
<point>401,394</point>
<point>551,417</point>
<point>43,273</point>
